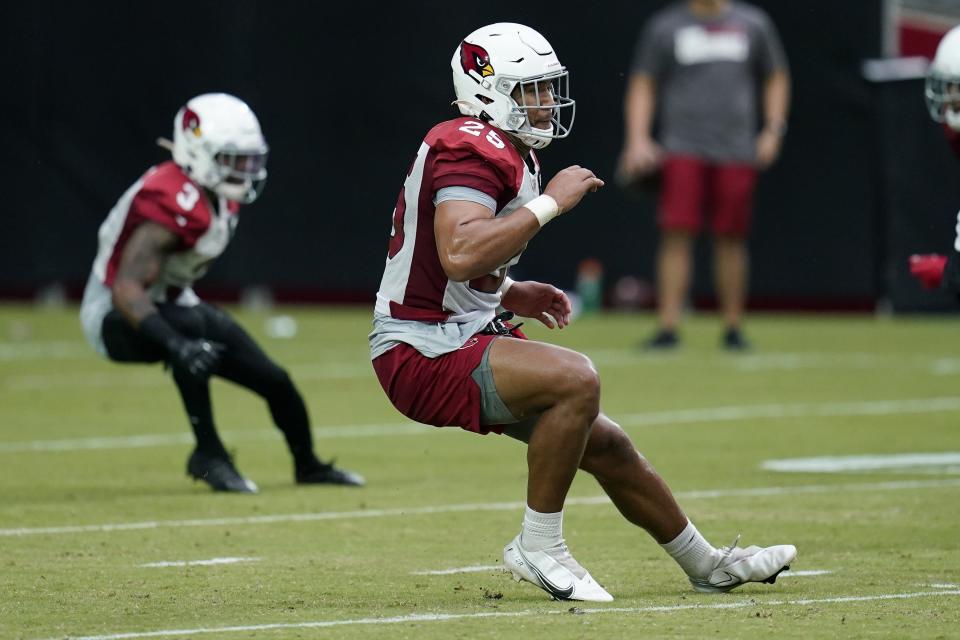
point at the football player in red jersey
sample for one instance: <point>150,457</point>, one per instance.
<point>139,304</point>
<point>942,93</point>
<point>470,204</point>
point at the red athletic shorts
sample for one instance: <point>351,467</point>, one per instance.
<point>437,391</point>
<point>692,188</point>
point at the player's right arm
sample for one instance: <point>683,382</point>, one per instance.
<point>140,265</point>
<point>471,242</point>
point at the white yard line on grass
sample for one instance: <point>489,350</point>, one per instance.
<point>947,460</point>
<point>197,563</point>
<point>497,567</point>
<point>460,508</point>
<point>799,410</point>
<point>647,419</point>
<point>449,572</point>
<point>47,350</point>
<point>748,602</point>
<point>169,439</point>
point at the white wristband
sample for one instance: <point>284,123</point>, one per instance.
<point>505,286</point>
<point>544,207</point>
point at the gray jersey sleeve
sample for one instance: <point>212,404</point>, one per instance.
<point>652,52</point>
<point>465,193</point>
<point>770,55</point>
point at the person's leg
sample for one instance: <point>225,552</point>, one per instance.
<point>245,363</point>
<point>563,389</point>
<point>731,274</point>
<point>679,217</point>
<point>674,269</point>
<point>209,461</point>
<point>644,499</point>
<point>557,393</point>
<point>732,192</point>
<point>635,488</point>
<point>124,344</point>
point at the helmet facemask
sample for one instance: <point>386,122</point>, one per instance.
<point>530,96</point>
<point>942,92</point>
<point>243,174</point>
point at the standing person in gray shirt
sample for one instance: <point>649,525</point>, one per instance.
<point>702,67</point>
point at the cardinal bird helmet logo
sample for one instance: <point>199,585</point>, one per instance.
<point>475,58</point>
<point>191,122</point>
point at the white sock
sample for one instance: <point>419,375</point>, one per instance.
<point>693,553</point>
<point>541,530</point>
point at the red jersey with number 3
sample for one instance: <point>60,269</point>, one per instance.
<point>464,152</point>
<point>165,195</point>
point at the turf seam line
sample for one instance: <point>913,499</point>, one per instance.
<point>460,508</point>
<point>750,601</point>
<point>647,419</point>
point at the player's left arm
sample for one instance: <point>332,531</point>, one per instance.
<point>776,104</point>
<point>544,302</point>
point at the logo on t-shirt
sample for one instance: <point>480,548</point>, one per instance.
<point>695,45</point>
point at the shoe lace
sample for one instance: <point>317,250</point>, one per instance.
<point>726,552</point>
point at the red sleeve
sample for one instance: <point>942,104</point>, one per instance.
<point>475,155</point>
<point>467,170</point>
<point>953,137</point>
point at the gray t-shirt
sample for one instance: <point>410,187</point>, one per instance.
<point>709,74</point>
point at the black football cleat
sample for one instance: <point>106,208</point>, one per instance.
<point>219,473</point>
<point>733,340</point>
<point>318,472</point>
<point>662,340</point>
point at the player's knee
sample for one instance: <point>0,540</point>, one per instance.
<point>580,384</point>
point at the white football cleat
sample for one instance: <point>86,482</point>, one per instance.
<point>555,571</point>
<point>751,564</point>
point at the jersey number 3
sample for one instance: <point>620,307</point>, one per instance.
<point>187,196</point>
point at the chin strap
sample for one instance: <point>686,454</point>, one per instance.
<point>474,109</point>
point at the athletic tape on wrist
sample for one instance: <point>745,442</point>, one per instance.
<point>507,283</point>
<point>544,207</point>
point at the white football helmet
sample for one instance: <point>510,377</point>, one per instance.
<point>218,142</point>
<point>499,63</point>
<point>943,81</point>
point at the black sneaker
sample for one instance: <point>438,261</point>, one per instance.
<point>662,340</point>
<point>218,472</point>
<point>733,340</point>
<point>317,472</point>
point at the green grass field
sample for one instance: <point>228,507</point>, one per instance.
<point>93,489</point>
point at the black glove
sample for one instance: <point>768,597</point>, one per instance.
<point>198,357</point>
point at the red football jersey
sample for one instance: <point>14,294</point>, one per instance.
<point>463,152</point>
<point>165,195</point>
<point>953,137</point>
